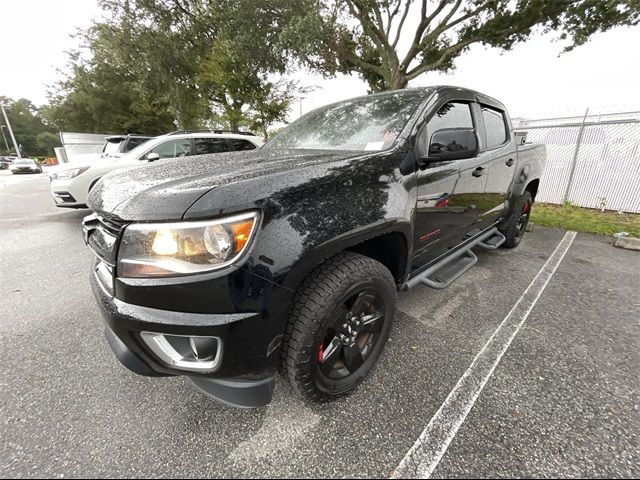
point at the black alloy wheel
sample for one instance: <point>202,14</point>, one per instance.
<point>352,336</point>
<point>341,319</point>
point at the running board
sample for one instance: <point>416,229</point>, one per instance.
<point>449,269</point>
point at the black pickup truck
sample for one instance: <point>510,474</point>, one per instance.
<point>227,267</point>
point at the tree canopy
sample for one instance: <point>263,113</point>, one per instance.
<point>153,66</point>
<point>364,36</point>
<point>36,137</point>
<point>150,66</point>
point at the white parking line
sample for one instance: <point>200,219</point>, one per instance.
<point>425,455</point>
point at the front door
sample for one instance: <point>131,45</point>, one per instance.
<point>447,191</point>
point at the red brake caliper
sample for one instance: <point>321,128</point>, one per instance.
<point>320,352</point>
<point>526,208</point>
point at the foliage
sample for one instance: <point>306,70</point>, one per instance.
<point>34,135</point>
<point>154,65</point>
<point>118,84</point>
<point>584,219</point>
<point>150,66</point>
<point>363,36</point>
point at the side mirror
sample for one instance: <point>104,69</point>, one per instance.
<point>152,157</point>
<point>453,144</point>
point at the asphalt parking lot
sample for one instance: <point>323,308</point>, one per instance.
<point>562,402</point>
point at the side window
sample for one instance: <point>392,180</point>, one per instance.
<point>495,127</point>
<point>451,115</point>
<point>238,144</point>
<point>211,145</point>
<point>173,148</point>
<point>133,143</point>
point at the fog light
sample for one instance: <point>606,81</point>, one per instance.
<point>184,352</point>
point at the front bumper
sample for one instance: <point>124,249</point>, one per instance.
<point>251,332</point>
<point>67,194</point>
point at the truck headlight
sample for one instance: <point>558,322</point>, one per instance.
<point>183,248</point>
<point>68,174</point>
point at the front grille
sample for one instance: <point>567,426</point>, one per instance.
<point>102,237</point>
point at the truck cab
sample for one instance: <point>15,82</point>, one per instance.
<point>228,268</point>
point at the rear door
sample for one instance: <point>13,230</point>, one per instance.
<point>499,151</point>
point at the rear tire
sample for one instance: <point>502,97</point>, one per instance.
<point>341,319</point>
<point>514,227</point>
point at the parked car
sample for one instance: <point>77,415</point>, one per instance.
<point>223,268</point>
<point>117,145</point>
<point>25,165</point>
<point>5,162</point>
<point>71,185</point>
<point>113,146</point>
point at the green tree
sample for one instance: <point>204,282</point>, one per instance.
<point>105,93</point>
<point>363,36</point>
<point>153,65</point>
<point>272,103</point>
<point>32,132</point>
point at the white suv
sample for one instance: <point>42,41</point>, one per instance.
<point>70,187</point>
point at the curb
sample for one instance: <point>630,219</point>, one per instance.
<point>628,243</point>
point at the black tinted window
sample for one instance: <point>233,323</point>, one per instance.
<point>211,145</point>
<point>133,143</point>
<point>451,115</point>
<point>495,127</point>
<point>239,144</point>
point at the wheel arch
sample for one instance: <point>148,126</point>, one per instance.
<point>93,183</point>
<point>532,187</point>
<point>390,249</point>
<point>389,245</point>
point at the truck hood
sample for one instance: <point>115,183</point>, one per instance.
<point>165,189</point>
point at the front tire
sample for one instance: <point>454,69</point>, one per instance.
<point>515,226</point>
<point>341,319</point>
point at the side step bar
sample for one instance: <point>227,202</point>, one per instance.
<point>449,269</point>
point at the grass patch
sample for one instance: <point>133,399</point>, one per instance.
<point>587,220</point>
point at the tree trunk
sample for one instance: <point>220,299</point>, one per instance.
<point>398,82</point>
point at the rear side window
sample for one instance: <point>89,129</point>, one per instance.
<point>238,144</point>
<point>495,126</point>
<point>451,115</point>
<point>211,145</point>
<point>133,143</point>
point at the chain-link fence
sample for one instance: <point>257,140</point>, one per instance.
<point>592,161</point>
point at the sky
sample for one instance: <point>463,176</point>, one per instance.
<point>532,80</point>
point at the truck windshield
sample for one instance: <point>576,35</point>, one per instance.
<point>366,123</point>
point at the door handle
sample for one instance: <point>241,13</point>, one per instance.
<point>478,172</point>
<point>510,162</point>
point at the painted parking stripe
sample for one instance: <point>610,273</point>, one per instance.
<point>425,455</point>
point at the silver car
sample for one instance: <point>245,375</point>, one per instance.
<point>25,165</point>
